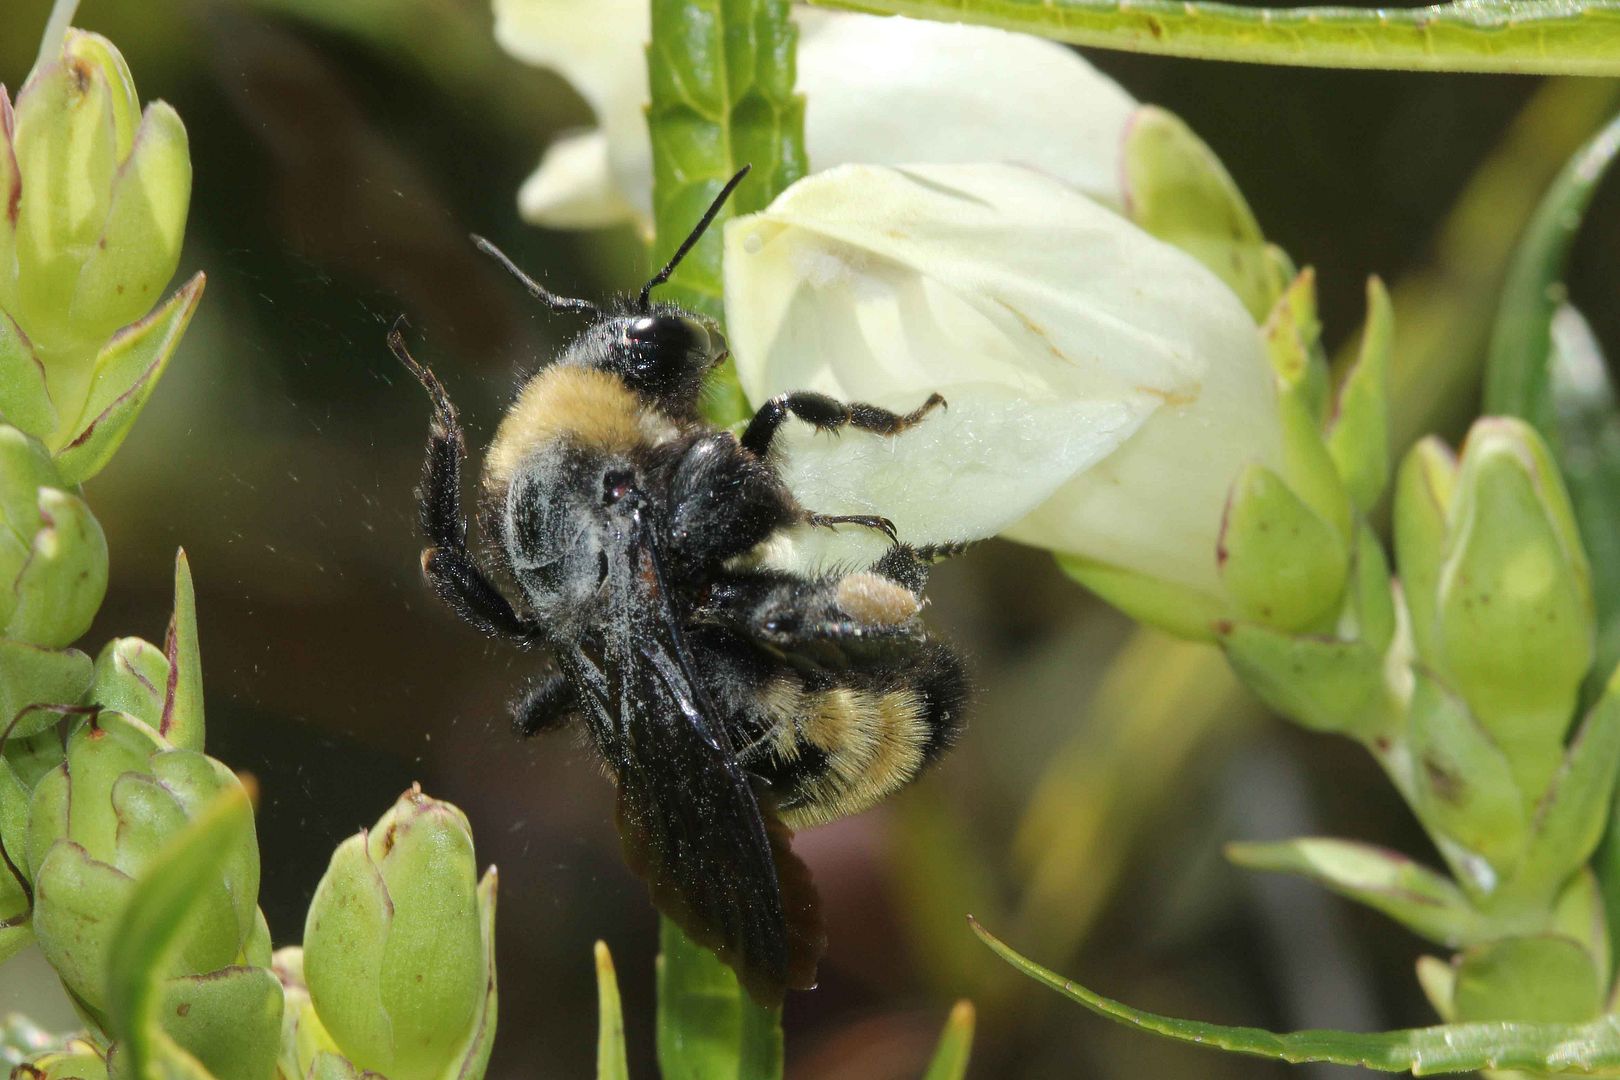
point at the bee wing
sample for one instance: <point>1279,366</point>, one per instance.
<point>716,859</point>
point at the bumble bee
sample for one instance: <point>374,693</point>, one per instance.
<point>731,702</point>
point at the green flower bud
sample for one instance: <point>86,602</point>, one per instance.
<point>1498,588</point>
<point>130,791</point>
<point>101,193</point>
<point>398,946</point>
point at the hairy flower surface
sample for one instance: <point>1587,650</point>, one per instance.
<point>1104,387</point>
<point>876,90</point>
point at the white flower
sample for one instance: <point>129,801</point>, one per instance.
<point>1104,387</point>
<point>876,89</point>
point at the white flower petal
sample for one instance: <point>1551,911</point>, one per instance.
<point>573,187</point>
<point>875,88</point>
<point>895,91</point>
<point>595,44</point>
<point>1075,350</point>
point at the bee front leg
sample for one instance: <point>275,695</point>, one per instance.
<point>447,564</point>
<point>828,414</point>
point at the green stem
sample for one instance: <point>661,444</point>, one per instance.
<point>1539,37</point>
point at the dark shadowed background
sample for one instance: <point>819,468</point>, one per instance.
<point>343,150</point>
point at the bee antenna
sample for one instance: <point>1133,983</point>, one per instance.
<point>536,290</point>
<point>693,237</point>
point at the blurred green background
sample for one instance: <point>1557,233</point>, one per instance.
<point>342,152</point>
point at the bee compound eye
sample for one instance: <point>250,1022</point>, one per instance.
<point>616,484</point>
<point>668,333</point>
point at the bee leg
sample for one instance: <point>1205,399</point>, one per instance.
<point>547,704</point>
<point>909,566</point>
<point>870,521</point>
<point>447,564</point>
<point>828,414</point>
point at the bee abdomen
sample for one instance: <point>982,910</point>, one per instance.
<point>835,750</point>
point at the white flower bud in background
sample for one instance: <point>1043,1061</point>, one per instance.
<point>875,89</point>
<point>1104,387</point>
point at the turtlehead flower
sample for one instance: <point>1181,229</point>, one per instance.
<point>875,89</point>
<point>1104,388</point>
<point>398,950</point>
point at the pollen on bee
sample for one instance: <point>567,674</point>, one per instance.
<point>876,600</point>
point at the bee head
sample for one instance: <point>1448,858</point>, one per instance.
<point>662,354</point>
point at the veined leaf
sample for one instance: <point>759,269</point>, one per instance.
<point>1424,901</point>
<point>708,1029</point>
<point>1548,37</point>
<point>1517,374</point>
<point>721,74</point>
<point>1444,1048</point>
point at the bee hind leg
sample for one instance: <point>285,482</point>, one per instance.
<point>547,704</point>
<point>909,566</point>
<point>828,414</point>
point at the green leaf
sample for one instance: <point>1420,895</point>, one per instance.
<point>1444,1048</point>
<point>1425,902</point>
<point>1524,36</point>
<point>1588,441</point>
<point>1358,435</point>
<point>126,371</point>
<point>955,1045</point>
<point>1465,790</point>
<point>1571,818</point>
<point>1292,332</point>
<point>1517,380</point>
<point>151,930</point>
<point>611,1061</point>
<point>721,74</point>
<point>708,1028</point>
<point>182,722</point>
